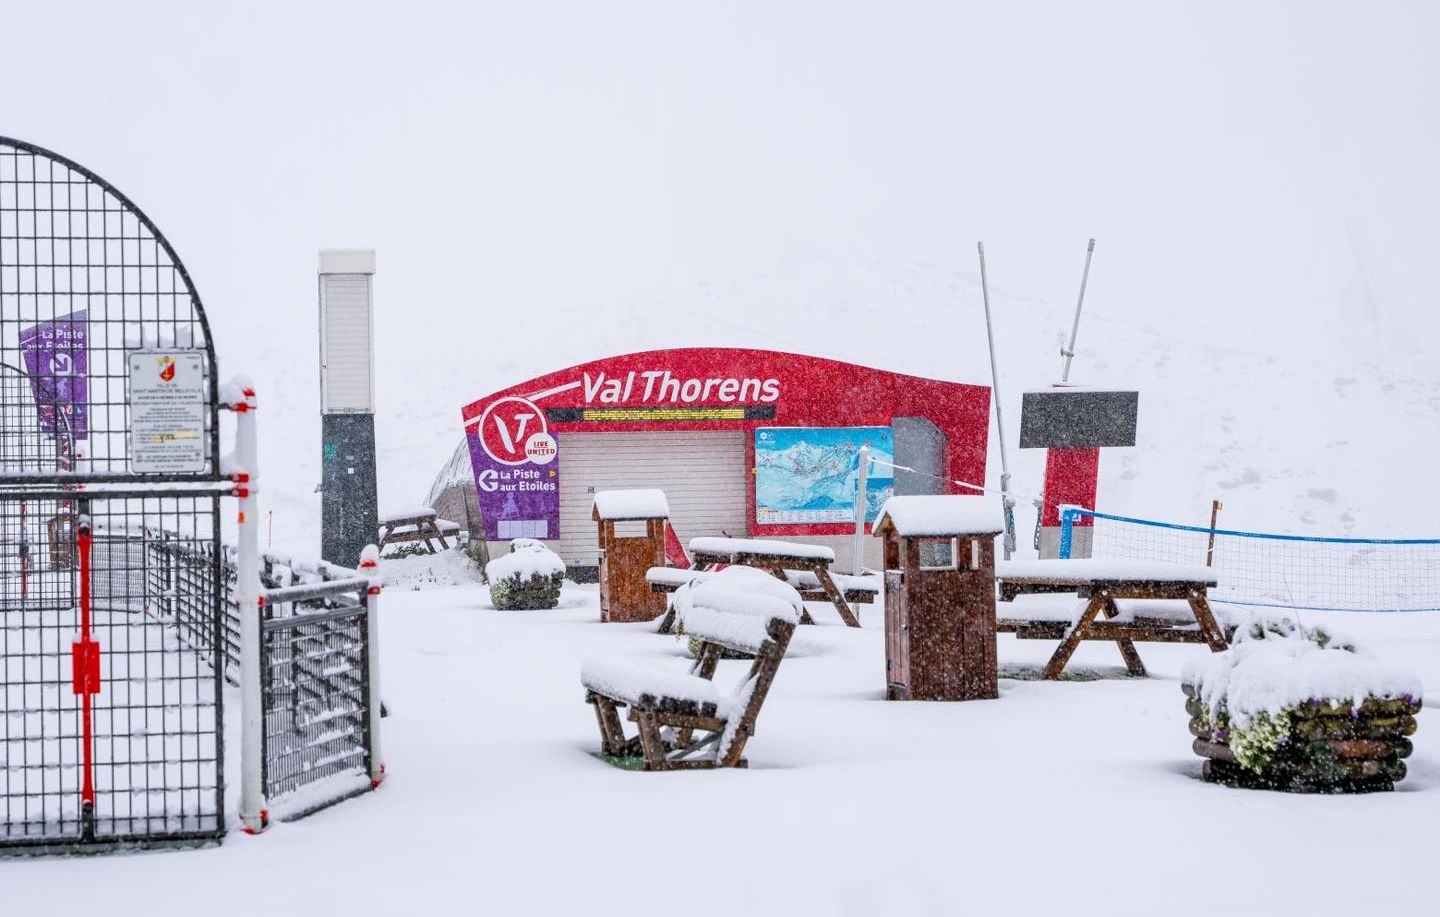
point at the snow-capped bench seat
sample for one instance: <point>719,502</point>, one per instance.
<point>645,686</point>
<point>780,558</point>
<point>860,590</point>
<point>729,610</point>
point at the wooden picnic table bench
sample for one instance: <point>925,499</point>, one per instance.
<point>860,590</point>
<point>722,618</point>
<point>1101,582</point>
<point>416,525</point>
<point>779,558</point>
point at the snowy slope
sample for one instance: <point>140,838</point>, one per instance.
<point>549,183</point>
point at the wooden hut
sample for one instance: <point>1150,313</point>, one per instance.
<point>939,557</point>
<point>632,540</point>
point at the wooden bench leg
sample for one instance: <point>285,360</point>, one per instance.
<point>837,598</point>
<point>651,743</point>
<point>1214,636</point>
<point>737,748</point>
<point>612,734</point>
<point>668,621</point>
<point>1133,664</point>
<point>1067,646</point>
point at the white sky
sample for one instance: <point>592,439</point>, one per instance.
<point>549,182</point>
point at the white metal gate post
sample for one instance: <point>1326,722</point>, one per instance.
<point>253,814</point>
<point>857,565</point>
<point>370,566</point>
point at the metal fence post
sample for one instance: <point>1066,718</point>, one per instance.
<point>370,566</point>
<point>1067,527</point>
<point>253,813</point>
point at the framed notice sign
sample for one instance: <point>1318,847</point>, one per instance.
<point>167,410</point>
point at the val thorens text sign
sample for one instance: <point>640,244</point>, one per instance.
<point>512,433</point>
<point>167,411</point>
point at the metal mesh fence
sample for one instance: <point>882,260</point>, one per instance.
<point>154,733</point>
<point>110,726</point>
<point>86,280</point>
<point>316,691</point>
<point>1281,571</point>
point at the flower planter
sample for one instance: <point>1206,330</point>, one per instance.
<point>1258,723</point>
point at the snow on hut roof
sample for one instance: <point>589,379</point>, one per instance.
<point>941,514</point>
<point>648,503</point>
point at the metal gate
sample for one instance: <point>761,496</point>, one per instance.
<point>110,714</point>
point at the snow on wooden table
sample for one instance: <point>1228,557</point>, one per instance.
<point>1086,570</point>
<point>768,547</point>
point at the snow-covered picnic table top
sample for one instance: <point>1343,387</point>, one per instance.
<point>406,514</point>
<point>923,515</point>
<point>800,579</point>
<point>1082,571</point>
<point>444,525</point>
<point>765,546</point>
<point>641,503</point>
<point>1066,608</point>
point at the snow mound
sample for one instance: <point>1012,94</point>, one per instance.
<point>527,558</point>
<point>745,590</point>
<point>1271,669</point>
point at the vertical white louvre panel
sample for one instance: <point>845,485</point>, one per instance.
<point>345,344</point>
<point>702,474</point>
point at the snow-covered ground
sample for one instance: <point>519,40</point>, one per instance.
<point>1071,797</point>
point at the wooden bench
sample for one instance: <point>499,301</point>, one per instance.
<point>721,618</point>
<point>1100,583</point>
<point>416,525</point>
<point>779,558</point>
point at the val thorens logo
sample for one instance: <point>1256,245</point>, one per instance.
<point>507,425</point>
<point>167,369</point>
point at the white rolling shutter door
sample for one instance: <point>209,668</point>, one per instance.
<point>346,345</point>
<point>702,474</point>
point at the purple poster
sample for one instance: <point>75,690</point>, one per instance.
<point>57,360</point>
<point>517,478</point>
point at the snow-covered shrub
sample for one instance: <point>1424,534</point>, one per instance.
<point>1298,708</point>
<point>528,578</point>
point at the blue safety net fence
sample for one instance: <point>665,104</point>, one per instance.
<point>1267,570</point>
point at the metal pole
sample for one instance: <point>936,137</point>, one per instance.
<point>370,566</point>
<point>857,567</point>
<point>1005,500</point>
<point>253,814</point>
<point>1069,352</point>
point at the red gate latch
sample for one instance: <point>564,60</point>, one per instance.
<point>85,662</point>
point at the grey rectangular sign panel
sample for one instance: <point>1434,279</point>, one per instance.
<point>1073,419</point>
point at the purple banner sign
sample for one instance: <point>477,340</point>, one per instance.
<point>57,360</point>
<point>517,478</point>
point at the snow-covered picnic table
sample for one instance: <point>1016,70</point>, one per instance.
<point>860,590</point>
<point>782,558</point>
<point>1101,582</point>
<point>417,524</point>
